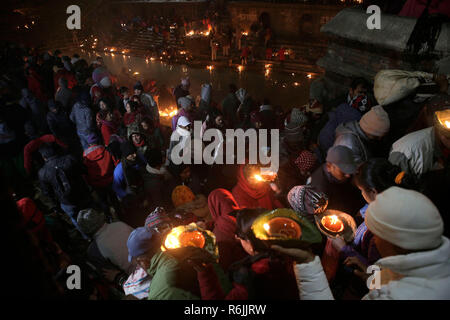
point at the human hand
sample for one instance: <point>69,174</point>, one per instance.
<point>275,188</point>
<point>299,255</point>
<point>359,267</point>
<point>194,254</point>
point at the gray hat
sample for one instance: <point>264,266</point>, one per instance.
<point>90,221</point>
<point>342,157</point>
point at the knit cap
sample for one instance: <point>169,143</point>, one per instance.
<point>181,195</point>
<point>375,122</point>
<point>405,218</point>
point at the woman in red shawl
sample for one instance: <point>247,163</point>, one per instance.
<point>221,203</point>
<point>109,126</point>
<point>250,193</point>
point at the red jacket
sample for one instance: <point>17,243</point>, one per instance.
<point>100,166</point>
<point>108,129</point>
<point>414,8</point>
<point>34,145</point>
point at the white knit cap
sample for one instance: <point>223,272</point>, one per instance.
<point>375,122</point>
<point>405,218</point>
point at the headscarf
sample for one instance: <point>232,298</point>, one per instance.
<point>248,197</point>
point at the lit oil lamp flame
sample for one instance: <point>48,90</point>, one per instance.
<point>258,177</point>
<point>136,73</point>
<point>112,54</point>
<point>332,223</point>
<point>245,33</point>
<point>447,124</point>
<point>309,75</point>
<point>443,118</point>
<point>240,68</point>
<point>210,68</point>
<point>178,238</point>
<point>190,33</point>
<point>266,226</point>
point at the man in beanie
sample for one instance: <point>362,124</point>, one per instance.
<point>415,256</point>
<point>357,136</point>
<point>333,179</point>
<point>108,248</point>
<point>172,278</point>
<point>147,100</point>
<point>425,150</point>
<point>61,180</point>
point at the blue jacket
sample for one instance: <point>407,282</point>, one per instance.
<point>83,118</point>
<point>120,185</point>
<point>343,113</point>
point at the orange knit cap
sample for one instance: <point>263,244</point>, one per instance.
<point>182,195</point>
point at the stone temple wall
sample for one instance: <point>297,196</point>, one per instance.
<point>295,21</point>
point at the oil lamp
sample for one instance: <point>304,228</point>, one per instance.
<point>332,223</point>
<point>240,68</point>
<point>336,224</point>
<point>443,118</point>
<point>191,235</point>
<point>283,228</point>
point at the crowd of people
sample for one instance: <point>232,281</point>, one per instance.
<point>88,179</point>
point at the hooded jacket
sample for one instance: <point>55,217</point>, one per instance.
<point>63,94</point>
<point>349,134</point>
<point>421,275</point>
<point>61,126</point>
<point>100,166</point>
<point>416,152</point>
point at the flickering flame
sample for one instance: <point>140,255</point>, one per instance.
<point>309,75</point>
<point>245,33</point>
<point>240,68</point>
<point>258,177</point>
<point>190,33</point>
<point>266,226</point>
<point>172,241</point>
<point>112,54</point>
<point>136,73</point>
<point>179,237</point>
<point>296,84</point>
<point>169,112</point>
<point>332,223</point>
<point>152,59</point>
<point>447,124</point>
<point>112,49</point>
<point>210,68</point>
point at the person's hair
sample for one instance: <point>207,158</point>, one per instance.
<point>154,157</point>
<point>123,90</point>
<point>133,105</point>
<point>106,101</point>
<point>380,174</point>
<point>359,81</point>
<point>266,101</point>
<point>212,115</point>
<point>244,221</point>
<point>232,88</point>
